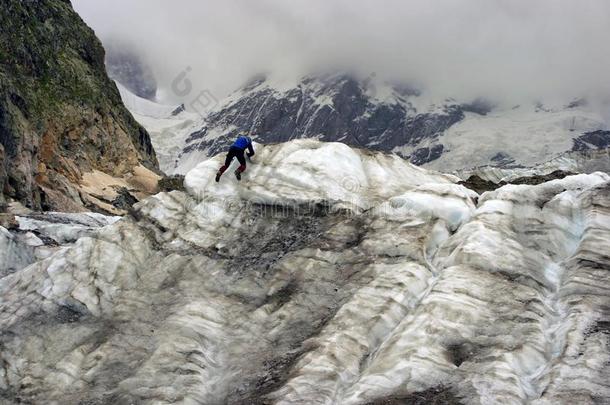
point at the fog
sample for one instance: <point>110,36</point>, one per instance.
<point>500,49</point>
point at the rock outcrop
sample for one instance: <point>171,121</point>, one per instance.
<point>592,140</point>
<point>60,114</point>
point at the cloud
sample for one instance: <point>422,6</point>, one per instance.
<point>503,49</point>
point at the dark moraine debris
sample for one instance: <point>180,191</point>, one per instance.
<point>171,183</point>
<point>539,179</point>
<point>601,326</point>
<point>433,396</point>
<point>124,200</point>
<point>283,295</point>
<point>459,353</point>
<point>480,185</point>
<point>70,314</point>
<point>276,372</point>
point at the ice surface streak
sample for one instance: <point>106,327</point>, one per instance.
<point>328,275</point>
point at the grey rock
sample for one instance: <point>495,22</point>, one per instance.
<point>178,110</point>
<point>592,140</point>
<point>502,159</point>
<point>171,183</point>
<point>426,155</point>
<point>124,200</point>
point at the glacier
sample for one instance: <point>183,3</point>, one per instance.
<point>328,275</point>
<point>167,125</point>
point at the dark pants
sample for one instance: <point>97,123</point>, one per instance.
<point>234,153</point>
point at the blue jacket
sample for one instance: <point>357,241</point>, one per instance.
<point>243,143</point>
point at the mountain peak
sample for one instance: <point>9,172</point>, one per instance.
<point>370,112</point>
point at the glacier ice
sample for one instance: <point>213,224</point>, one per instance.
<point>524,136</point>
<point>168,126</point>
<point>38,236</point>
<point>14,254</point>
<point>329,275</point>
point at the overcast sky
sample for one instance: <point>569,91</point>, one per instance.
<point>512,49</point>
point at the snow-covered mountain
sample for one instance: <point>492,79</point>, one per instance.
<point>520,137</point>
<point>329,275</point>
<point>167,125</point>
<point>443,134</point>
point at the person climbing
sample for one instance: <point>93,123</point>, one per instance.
<point>237,150</point>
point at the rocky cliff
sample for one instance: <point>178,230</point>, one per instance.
<point>60,115</point>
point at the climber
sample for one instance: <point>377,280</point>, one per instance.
<point>237,150</point>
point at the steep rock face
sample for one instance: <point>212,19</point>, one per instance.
<point>328,276</point>
<point>60,115</point>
